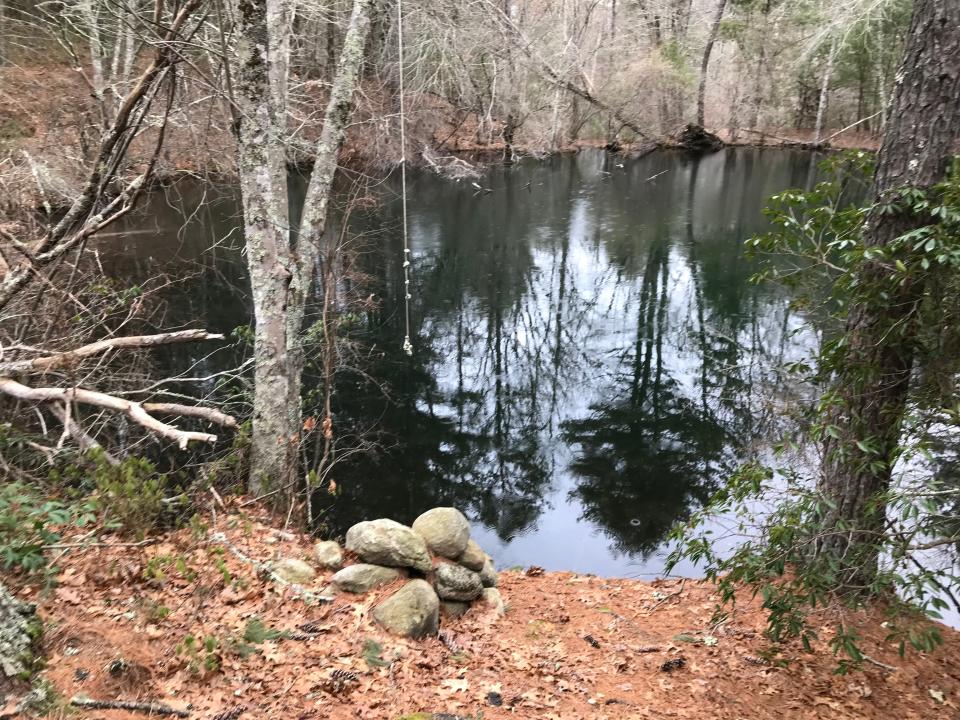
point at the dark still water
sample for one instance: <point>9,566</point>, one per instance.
<point>589,357</point>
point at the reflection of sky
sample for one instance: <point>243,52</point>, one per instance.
<point>640,261</point>
<point>547,381</point>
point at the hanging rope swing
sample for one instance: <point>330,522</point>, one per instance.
<point>407,345</point>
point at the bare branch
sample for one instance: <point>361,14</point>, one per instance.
<point>70,357</point>
<point>209,414</point>
<point>134,410</point>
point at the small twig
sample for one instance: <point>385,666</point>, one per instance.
<point>869,659</point>
<point>70,546</point>
<point>671,595</point>
<point>150,708</point>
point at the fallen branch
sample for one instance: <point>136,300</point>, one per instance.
<point>150,708</point>
<point>85,545</point>
<point>70,357</point>
<point>84,441</point>
<point>208,414</point>
<point>134,410</point>
<point>851,126</point>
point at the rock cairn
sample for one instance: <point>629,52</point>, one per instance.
<point>446,572</point>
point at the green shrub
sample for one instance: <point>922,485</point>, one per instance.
<point>131,495</point>
<point>29,521</point>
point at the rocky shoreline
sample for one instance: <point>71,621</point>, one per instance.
<point>443,571</point>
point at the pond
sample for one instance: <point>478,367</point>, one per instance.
<point>590,357</point>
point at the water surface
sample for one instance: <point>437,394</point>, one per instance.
<point>590,359</point>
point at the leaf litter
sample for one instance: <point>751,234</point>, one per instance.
<point>259,649</point>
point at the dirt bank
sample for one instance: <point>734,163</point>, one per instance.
<point>569,646</point>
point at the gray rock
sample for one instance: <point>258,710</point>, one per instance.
<point>414,610</point>
<point>293,571</point>
<point>445,529</point>
<point>454,582</point>
<point>362,578</point>
<point>473,558</point>
<point>454,608</point>
<point>328,554</point>
<point>385,542</point>
<point>488,575</point>
<point>494,600</point>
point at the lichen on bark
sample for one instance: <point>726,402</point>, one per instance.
<point>19,629</point>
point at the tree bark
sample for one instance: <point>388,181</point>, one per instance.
<point>705,63</point>
<point>263,186</point>
<point>281,259</point>
<point>871,386</point>
<point>18,627</point>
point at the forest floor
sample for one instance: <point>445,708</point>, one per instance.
<point>120,618</point>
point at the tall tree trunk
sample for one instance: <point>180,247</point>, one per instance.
<point>263,185</point>
<point>824,93</point>
<point>282,259</point>
<point>872,383</point>
<point>705,62</point>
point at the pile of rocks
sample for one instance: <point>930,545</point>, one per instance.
<point>444,568</point>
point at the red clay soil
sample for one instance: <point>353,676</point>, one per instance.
<point>569,646</point>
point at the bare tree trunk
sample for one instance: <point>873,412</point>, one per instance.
<point>92,20</point>
<point>872,382</point>
<point>824,93</point>
<point>757,99</point>
<point>263,185</point>
<point>705,63</point>
<point>281,259</point>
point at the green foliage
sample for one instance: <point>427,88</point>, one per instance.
<point>816,247</point>
<point>159,566</point>
<point>256,632</point>
<point>373,654</point>
<point>131,495</point>
<point>201,655</point>
<point>29,521</point>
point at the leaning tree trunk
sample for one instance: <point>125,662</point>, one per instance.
<point>705,62</point>
<point>870,388</point>
<point>18,629</point>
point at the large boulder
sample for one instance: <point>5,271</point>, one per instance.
<point>293,571</point>
<point>446,531</point>
<point>362,578</point>
<point>488,575</point>
<point>386,542</point>
<point>454,582</point>
<point>414,610</point>
<point>327,554</point>
<point>473,558</point>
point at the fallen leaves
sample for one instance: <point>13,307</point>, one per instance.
<point>572,646</point>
